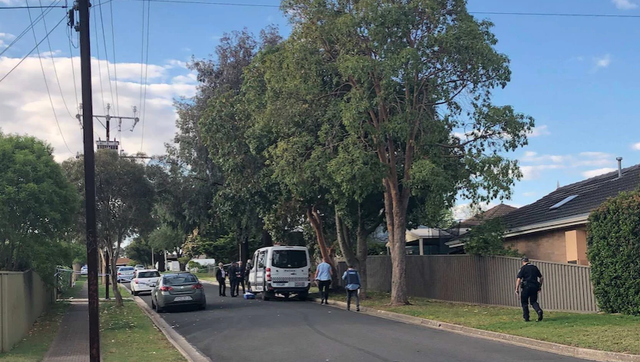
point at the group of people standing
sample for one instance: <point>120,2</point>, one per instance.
<point>237,275</point>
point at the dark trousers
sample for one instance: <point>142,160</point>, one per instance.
<point>528,296</point>
<point>236,287</point>
<point>323,285</point>
<point>222,287</point>
<point>353,293</point>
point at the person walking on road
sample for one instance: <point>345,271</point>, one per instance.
<point>352,280</point>
<point>233,282</point>
<point>240,274</point>
<point>323,276</point>
<point>530,280</point>
<point>221,277</point>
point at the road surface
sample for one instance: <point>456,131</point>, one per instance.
<point>234,329</point>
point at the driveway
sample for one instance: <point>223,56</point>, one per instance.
<point>234,329</point>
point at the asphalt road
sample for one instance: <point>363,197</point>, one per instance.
<point>234,329</point>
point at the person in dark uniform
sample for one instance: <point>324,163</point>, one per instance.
<point>240,275</point>
<point>221,277</point>
<point>233,270</point>
<point>530,280</point>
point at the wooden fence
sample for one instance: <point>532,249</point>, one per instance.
<point>486,280</point>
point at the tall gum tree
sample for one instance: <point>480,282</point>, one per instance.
<point>415,85</point>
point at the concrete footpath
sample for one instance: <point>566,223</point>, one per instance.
<point>72,342</point>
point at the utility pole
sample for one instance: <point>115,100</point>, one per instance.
<point>82,6</point>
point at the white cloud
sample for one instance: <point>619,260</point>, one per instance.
<point>624,4</point>
<point>25,107</point>
<point>533,172</point>
<point>5,38</point>
<point>540,131</point>
<point>636,146</point>
<point>175,63</point>
<point>602,62</point>
<point>597,172</point>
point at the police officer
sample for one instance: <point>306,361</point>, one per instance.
<point>530,279</point>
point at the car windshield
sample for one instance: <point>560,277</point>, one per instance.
<point>289,259</point>
<point>148,274</point>
<point>179,279</point>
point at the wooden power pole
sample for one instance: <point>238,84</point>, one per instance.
<point>82,6</point>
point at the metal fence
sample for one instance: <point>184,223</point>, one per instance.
<point>486,280</point>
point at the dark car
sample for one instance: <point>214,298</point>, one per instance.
<point>178,289</point>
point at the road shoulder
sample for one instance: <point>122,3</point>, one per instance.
<point>191,353</point>
<point>556,348</point>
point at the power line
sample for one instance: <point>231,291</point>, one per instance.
<point>115,67</point>
<point>214,3</point>
<point>31,7</point>
<point>44,76</point>
<point>31,51</point>
<point>106,53</point>
<point>95,28</point>
<point>55,70</point>
<point>25,31</point>
<point>146,72</point>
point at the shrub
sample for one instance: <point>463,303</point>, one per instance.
<point>487,239</point>
<point>614,253</point>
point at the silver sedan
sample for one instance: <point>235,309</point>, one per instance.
<point>177,290</point>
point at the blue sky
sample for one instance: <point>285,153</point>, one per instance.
<point>576,76</point>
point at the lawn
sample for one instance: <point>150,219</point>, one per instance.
<point>127,334</point>
<point>607,332</point>
<point>36,344</point>
<point>123,291</point>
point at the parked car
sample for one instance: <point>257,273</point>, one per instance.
<point>84,270</point>
<point>281,270</point>
<point>144,281</point>
<point>177,290</point>
<point>139,267</point>
<point>125,274</point>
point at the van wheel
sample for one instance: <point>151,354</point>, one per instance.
<point>265,296</point>
<point>303,296</point>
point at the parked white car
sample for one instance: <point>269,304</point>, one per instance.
<point>125,274</point>
<point>144,281</point>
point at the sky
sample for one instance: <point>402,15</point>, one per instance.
<point>577,76</point>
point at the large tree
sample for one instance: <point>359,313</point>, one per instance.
<point>37,208</point>
<point>124,200</point>
<point>413,82</point>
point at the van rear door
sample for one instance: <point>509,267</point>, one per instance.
<point>289,268</point>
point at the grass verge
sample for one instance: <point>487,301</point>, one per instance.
<point>606,332</point>
<point>127,334</point>
<point>36,344</point>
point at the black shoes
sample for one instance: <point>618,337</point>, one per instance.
<point>540,315</point>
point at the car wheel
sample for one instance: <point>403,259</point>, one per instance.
<point>203,306</point>
<point>135,293</point>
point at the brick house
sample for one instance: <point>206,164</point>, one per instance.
<point>554,228</point>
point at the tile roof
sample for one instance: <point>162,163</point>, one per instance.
<point>590,194</point>
<point>496,211</point>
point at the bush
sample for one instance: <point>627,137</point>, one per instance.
<point>192,265</point>
<point>614,252</point>
<point>487,239</point>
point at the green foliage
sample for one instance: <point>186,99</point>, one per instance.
<point>614,253</point>
<point>193,264</point>
<point>487,239</point>
<point>37,208</point>
<point>133,263</point>
<point>167,238</point>
<point>140,251</point>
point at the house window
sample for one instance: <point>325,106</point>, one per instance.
<point>567,199</point>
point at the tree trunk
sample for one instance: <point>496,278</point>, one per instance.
<point>396,224</point>
<point>362,251</point>
<point>114,274</point>
<point>345,245</point>
<point>316,223</point>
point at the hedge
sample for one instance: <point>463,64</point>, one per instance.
<point>614,253</point>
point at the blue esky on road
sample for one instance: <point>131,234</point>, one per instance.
<point>577,76</point>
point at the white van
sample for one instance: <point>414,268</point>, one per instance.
<point>280,270</point>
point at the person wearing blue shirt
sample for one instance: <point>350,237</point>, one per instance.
<point>323,276</point>
<point>352,281</point>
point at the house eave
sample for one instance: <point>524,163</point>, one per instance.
<point>548,225</point>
